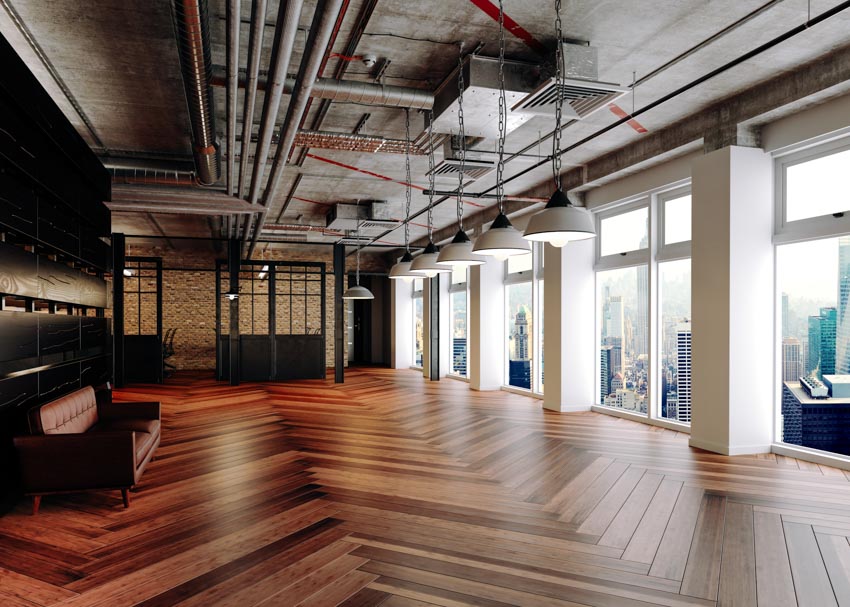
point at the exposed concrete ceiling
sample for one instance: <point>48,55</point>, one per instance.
<point>115,66</point>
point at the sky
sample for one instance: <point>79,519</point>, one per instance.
<point>809,270</point>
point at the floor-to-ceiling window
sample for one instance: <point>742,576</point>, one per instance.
<point>643,284</point>
<point>673,392</point>
<point>458,340</point>
<point>813,295</point>
<point>523,308</point>
<point>418,323</point>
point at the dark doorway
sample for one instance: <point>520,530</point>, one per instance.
<point>369,322</point>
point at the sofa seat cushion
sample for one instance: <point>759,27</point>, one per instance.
<point>151,426</point>
<point>73,413</point>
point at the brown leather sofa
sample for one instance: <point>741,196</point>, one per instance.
<point>80,443</point>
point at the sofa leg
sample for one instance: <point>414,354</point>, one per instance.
<point>36,502</point>
<point>125,495</point>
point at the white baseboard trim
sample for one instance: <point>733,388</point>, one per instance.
<point>724,449</point>
<point>521,392</point>
<point>812,455</point>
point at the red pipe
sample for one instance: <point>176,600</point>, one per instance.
<point>511,26</point>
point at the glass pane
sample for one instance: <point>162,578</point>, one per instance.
<point>814,281</point>
<point>675,313</point>
<point>458,275</point>
<point>459,336</point>
<point>417,285</point>
<point>623,296</point>
<point>519,263</point>
<point>817,187</point>
<point>625,232</point>
<point>677,219</point>
<point>418,331</point>
<point>520,331</point>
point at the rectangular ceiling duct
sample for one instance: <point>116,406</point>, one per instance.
<point>448,168</point>
<point>481,96</point>
<point>368,216</point>
<point>582,92</point>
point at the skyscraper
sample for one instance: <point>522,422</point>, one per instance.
<point>604,372</point>
<point>521,335</point>
<point>616,327</point>
<point>640,330</point>
<point>792,365</point>
<point>842,332</point>
<point>459,355</point>
<point>786,329</point>
<point>821,356</point>
<point>683,371</point>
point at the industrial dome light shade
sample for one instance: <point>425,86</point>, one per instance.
<point>358,292</point>
<point>426,264</point>
<point>401,270</point>
<point>560,222</point>
<point>502,240</point>
<point>458,253</point>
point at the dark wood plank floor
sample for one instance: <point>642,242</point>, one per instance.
<point>394,491</point>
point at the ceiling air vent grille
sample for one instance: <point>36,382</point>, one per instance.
<point>474,169</point>
<point>582,98</point>
<point>378,224</point>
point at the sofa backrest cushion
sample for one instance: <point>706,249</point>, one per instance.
<point>73,413</point>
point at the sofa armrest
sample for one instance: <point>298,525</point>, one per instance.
<point>70,462</point>
<point>131,410</point>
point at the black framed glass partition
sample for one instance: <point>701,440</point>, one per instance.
<point>282,320</point>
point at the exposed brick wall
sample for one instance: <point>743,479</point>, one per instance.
<point>188,302</point>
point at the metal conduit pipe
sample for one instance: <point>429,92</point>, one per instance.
<point>234,18</point>
<point>191,24</point>
<point>286,31</point>
<point>324,19</point>
<point>366,93</point>
<point>255,47</point>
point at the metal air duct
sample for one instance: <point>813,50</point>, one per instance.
<point>191,24</point>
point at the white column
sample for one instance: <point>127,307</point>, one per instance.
<point>732,302</point>
<point>402,324</point>
<point>445,325</point>
<point>486,360</point>
<point>569,320</point>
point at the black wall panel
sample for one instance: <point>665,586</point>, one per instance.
<point>19,343</point>
<point>18,204</point>
<point>58,337</point>
<point>18,271</point>
<point>56,381</point>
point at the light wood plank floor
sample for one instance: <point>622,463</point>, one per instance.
<point>393,491</point>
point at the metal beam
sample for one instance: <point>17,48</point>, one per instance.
<point>118,256</point>
<point>434,328</point>
<point>234,260</point>
<point>339,314</point>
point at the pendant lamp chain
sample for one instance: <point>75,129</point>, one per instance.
<point>503,113</point>
<point>559,99</point>
<point>407,181</point>
<point>461,134</point>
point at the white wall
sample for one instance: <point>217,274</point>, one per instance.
<point>402,324</point>
<point>732,301</point>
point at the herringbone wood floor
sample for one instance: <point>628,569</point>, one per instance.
<point>394,491</point>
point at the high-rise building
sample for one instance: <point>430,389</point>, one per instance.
<point>521,336</point>
<point>683,372</point>
<point>792,364</point>
<point>821,358</point>
<point>616,325</point>
<point>842,331</point>
<point>639,328</point>
<point>786,329</point>
<point>816,414</point>
<point>459,355</point>
<point>604,372</point>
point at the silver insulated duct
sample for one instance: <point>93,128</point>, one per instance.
<point>191,24</point>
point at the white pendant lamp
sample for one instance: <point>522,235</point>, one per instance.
<point>426,263</point>
<point>560,222</point>
<point>357,291</point>
<point>502,240</point>
<point>458,253</point>
<point>401,270</point>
